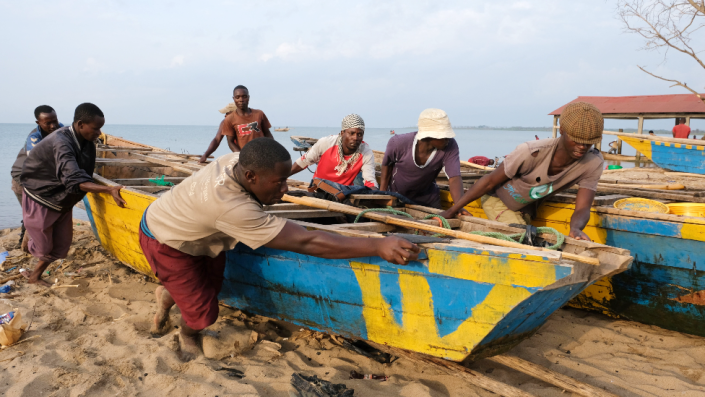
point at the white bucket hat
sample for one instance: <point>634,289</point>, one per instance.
<point>434,123</point>
<point>229,108</point>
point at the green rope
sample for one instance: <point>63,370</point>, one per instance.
<point>515,237</point>
<point>161,181</point>
<point>519,237</point>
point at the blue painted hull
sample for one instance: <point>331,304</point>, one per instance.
<point>330,296</point>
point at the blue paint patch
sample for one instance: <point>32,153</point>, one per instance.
<point>89,212</point>
<point>658,250</point>
<point>478,251</point>
<point>563,271</point>
<point>641,226</point>
<point>318,295</point>
<point>532,312</point>
<point>678,159</point>
<point>389,285</point>
<point>453,301</point>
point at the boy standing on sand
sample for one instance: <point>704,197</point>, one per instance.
<point>184,234</point>
<point>538,169</point>
<point>241,125</point>
<point>56,175</point>
<point>47,122</point>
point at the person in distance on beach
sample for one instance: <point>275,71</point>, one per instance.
<point>341,158</point>
<point>55,176</point>
<point>413,161</point>
<point>184,234</point>
<point>681,130</point>
<point>241,124</point>
<point>538,169</point>
<point>47,122</point>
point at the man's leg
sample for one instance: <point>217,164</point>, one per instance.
<point>39,222</point>
<point>187,283</point>
<point>24,238</point>
<point>496,211</point>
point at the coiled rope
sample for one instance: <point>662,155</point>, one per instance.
<point>515,237</point>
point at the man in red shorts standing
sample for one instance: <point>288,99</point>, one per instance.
<point>184,234</point>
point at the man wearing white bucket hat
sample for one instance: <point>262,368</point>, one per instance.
<point>413,161</point>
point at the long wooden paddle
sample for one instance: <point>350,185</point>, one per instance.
<point>350,210</point>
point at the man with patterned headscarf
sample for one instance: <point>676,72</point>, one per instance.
<point>342,157</point>
<point>536,170</point>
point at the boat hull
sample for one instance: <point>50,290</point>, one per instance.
<point>665,285</point>
<point>671,156</point>
<point>461,303</point>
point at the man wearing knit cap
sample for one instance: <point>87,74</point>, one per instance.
<point>342,157</point>
<point>413,161</point>
<point>538,169</point>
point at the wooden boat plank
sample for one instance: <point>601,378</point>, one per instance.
<point>138,181</point>
<point>303,214</point>
<point>175,166</point>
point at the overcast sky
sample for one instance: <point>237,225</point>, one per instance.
<point>309,63</point>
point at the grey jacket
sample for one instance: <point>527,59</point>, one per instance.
<point>55,168</point>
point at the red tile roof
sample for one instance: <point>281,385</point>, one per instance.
<point>644,104</point>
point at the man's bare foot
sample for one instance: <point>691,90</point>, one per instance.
<point>161,323</point>
<point>189,347</point>
<point>34,280</point>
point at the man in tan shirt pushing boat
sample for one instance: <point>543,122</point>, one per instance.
<point>184,234</point>
<point>536,170</point>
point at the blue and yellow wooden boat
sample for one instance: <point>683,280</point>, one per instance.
<point>682,155</point>
<point>665,285</point>
<point>460,301</point>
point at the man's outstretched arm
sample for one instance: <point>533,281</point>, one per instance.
<point>212,147</point>
<point>485,185</point>
<point>332,246</point>
<point>581,215</point>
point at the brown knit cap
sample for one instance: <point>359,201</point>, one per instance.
<point>582,122</point>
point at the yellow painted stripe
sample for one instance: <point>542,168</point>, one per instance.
<point>529,272</point>
<point>118,228</point>
<point>641,145</point>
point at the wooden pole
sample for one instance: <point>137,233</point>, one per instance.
<point>552,377</point>
<point>687,121</point>
<point>350,210</point>
<point>619,143</point>
<point>640,131</point>
<point>555,126</point>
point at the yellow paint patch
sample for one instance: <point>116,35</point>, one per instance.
<point>691,231</point>
<point>418,331</point>
<point>595,297</point>
<point>700,147</point>
<point>688,146</point>
<point>533,271</point>
<point>118,228</point>
<point>677,145</point>
<point>642,146</point>
<point>475,208</point>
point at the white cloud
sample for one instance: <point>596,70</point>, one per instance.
<point>177,61</point>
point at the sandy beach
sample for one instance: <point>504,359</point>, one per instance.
<point>93,340</point>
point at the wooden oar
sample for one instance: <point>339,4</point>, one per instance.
<point>350,210</point>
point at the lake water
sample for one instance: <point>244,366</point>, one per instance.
<point>195,140</point>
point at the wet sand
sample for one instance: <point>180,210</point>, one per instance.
<point>94,340</point>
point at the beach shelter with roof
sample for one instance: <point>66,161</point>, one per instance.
<point>641,107</point>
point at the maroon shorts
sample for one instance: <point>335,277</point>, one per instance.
<point>193,281</point>
<point>50,232</point>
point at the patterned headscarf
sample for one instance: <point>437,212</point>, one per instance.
<point>349,121</point>
<point>353,121</point>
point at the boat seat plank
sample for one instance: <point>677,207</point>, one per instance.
<point>124,162</point>
<point>368,226</point>
<point>175,166</point>
<point>303,214</point>
<point>336,230</point>
<point>139,181</point>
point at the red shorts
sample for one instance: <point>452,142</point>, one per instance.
<point>193,281</point>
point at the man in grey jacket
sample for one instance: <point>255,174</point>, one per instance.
<point>55,176</point>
